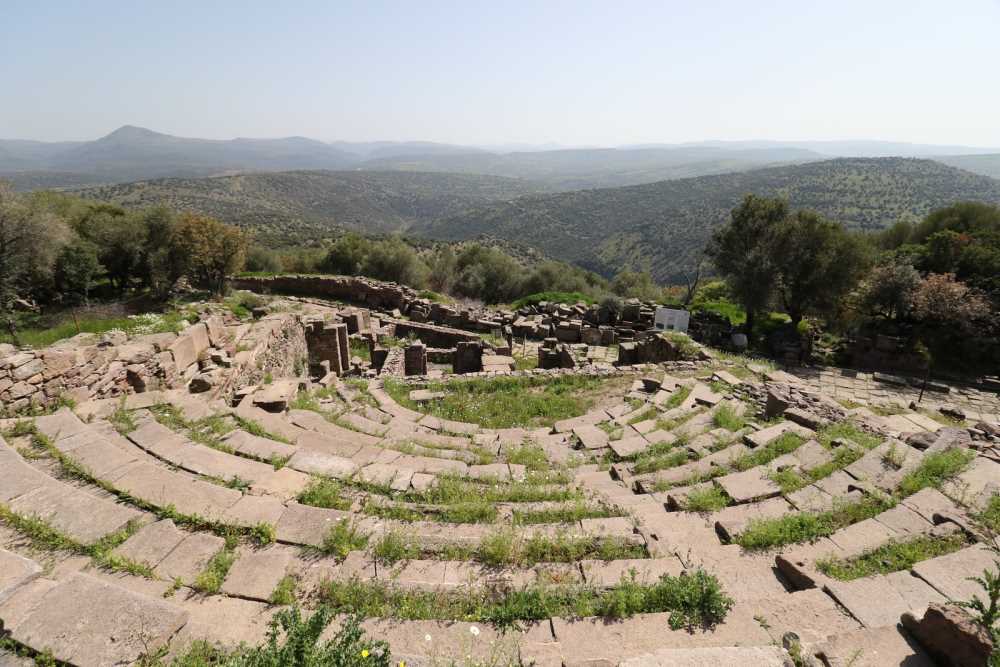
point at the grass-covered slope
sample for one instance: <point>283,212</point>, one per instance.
<point>287,205</point>
<point>663,226</point>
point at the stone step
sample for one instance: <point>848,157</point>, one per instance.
<point>89,622</point>
<point>81,516</point>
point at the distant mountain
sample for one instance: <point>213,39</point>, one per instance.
<point>390,149</point>
<point>664,226</point>
<point>289,206</point>
<point>574,169</point>
<point>853,148</point>
<point>987,165</point>
<point>131,153</point>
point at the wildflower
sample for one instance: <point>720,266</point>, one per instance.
<point>427,638</point>
<point>474,631</point>
<point>364,653</point>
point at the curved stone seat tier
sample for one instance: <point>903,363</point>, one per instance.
<point>81,516</point>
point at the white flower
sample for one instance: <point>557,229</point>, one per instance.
<point>474,630</point>
<point>427,638</point>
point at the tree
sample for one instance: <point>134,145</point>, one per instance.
<point>76,268</point>
<point>817,262</point>
<point>635,284</point>
<point>30,240</point>
<point>742,251</point>
<point>692,280</point>
<point>942,301</point>
<point>211,250</point>
<point>888,289</point>
<point>347,255</point>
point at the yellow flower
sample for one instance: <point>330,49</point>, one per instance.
<point>364,653</point>
<point>402,663</point>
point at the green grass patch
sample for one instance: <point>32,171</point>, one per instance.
<point>324,492</point>
<point>693,600</point>
<point>786,443</point>
<point>284,592</point>
<point>359,348</point>
<point>465,512</point>
<point>935,470</point>
<point>989,518</point>
<point>211,578</point>
<point>207,431</point>
<point>648,413</point>
<point>531,456</point>
<point>133,325</point>
<point>847,431</point>
<point>892,557</point>
<point>452,489</point>
<point>254,428</point>
<point>342,538</point>
<point>647,463</point>
<point>569,514</point>
<point>710,499</point>
<point>46,537</point>
<point>679,396</point>
<point>506,402</point>
<point>505,548</point>
<point>807,526</point>
<point>726,417</point>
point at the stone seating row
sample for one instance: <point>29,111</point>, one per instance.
<point>83,517</point>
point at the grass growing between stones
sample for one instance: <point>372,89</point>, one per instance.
<point>531,456</point>
<point>46,537</point>
<point>453,489</point>
<point>728,418</point>
<point>892,557</point>
<point>648,413</point>
<point>679,396</point>
<point>989,518</point>
<point>693,600</point>
<point>506,402</point>
<point>505,548</point>
<point>935,470</point>
<point>209,581</point>
<point>254,428</point>
<point>711,499</point>
<point>569,514</point>
<point>262,533</point>
<point>661,456</point>
<point>326,493</point>
<point>786,443</point>
<point>342,538</point>
<point>284,592</point>
<point>807,526</point>
<point>466,512</point>
<point>207,431</point>
<point>293,640</point>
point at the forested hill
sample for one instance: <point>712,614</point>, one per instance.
<point>288,206</point>
<point>664,226</point>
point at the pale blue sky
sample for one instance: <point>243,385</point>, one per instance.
<point>599,73</point>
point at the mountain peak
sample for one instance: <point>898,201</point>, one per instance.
<point>132,132</point>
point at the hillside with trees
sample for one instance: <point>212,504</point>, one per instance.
<point>288,206</point>
<point>664,227</point>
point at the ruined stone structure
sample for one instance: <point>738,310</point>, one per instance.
<point>663,476</point>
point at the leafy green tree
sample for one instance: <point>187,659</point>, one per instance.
<point>636,284</point>
<point>30,240</point>
<point>442,269</point>
<point>76,269</point>
<point>347,255</point>
<point>262,259</point>
<point>743,253</point>
<point>211,250</point>
<point>817,262</point>
<point>888,290</point>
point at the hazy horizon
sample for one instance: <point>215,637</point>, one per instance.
<point>563,74</point>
